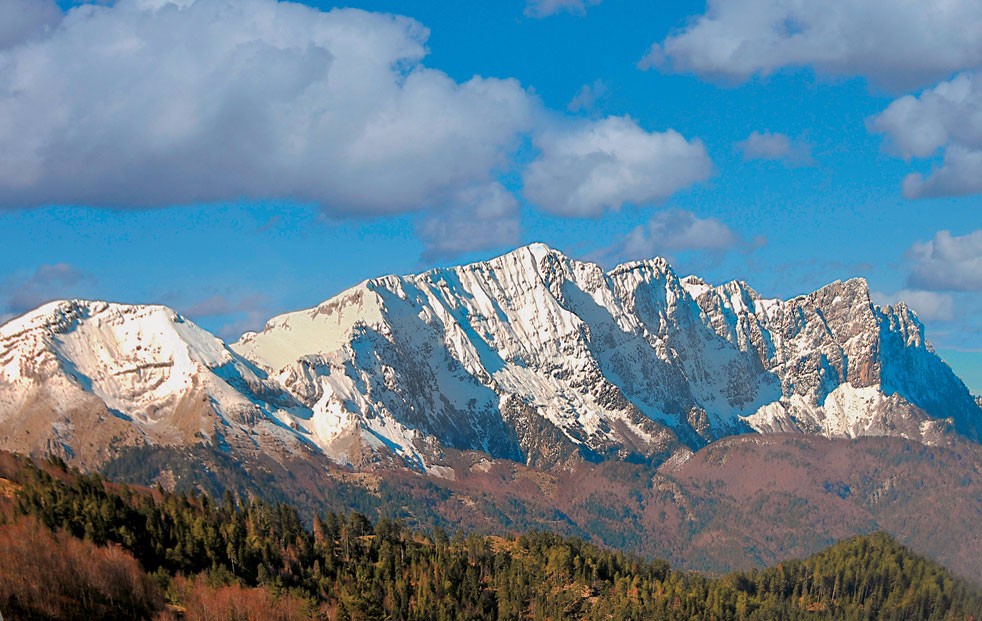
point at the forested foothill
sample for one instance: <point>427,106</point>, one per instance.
<point>76,546</point>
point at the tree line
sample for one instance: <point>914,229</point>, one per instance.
<point>76,546</point>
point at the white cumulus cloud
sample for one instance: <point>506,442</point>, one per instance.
<point>775,146</point>
<point>479,218</point>
<point>945,118</point>
<point>587,97</point>
<point>895,43</point>
<point>674,231</point>
<point>590,167</point>
<point>929,305</point>
<point>22,20</point>
<point>947,262</point>
<point>151,103</point>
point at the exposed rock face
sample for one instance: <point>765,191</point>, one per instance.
<point>847,367</point>
<point>531,356</point>
<point>608,361</point>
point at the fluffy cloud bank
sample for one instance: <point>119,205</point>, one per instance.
<point>589,167</point>
<point>151,103</point>
<point>945,276</point>
<point>947,263</point>
<point>148,103</point>
<point>895,44</point>
<point>945,118</point>
<point>21,20</point>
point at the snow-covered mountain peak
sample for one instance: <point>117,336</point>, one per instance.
<point>57,314</point>
<point>531,355</point>
<point>145,364</point>
<point>532,254</point>
<point>738,287</point>
<point>436,352</point>
<point>110,335</point>
<point>539,251</point>
<point>854,291</point>
<point>695,286</point>
<point>657,266</point>
<point>61,316</point>
<point>549,263</point>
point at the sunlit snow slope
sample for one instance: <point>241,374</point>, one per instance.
<point>97,376</point>
<point>494,355</point>
<point>531,356</point>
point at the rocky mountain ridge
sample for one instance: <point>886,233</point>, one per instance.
<point>532,357</point>
<point>83,379</point>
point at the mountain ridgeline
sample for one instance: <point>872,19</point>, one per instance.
<point>532,357</point>
<point>634,408</point>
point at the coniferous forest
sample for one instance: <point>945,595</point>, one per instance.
<point>75,546</point>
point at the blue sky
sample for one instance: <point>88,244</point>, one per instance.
<point>238,159</point>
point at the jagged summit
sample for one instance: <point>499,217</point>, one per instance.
<point>531,356</point>
<point>538,250</point>
<point>632,359</point>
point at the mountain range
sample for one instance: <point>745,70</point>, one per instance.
<point>531,390</point>
<point>532,357</point>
